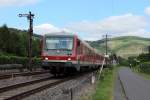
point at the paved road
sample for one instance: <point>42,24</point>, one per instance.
<point>118,91</point>
<point>135,86</point>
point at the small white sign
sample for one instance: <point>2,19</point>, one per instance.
<point>106,56</point>
<point>93,79</point>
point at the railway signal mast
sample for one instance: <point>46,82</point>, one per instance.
<point>30,17</point>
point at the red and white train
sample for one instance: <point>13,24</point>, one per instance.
<point>63,52</point>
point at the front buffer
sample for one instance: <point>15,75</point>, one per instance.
<point>60,66</point>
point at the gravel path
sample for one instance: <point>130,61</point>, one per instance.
<point>135,86</point>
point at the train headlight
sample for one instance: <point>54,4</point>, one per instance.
<point>46,58</point>
<point>69,59</point>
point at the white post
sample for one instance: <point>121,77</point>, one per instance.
<point>100,71</point>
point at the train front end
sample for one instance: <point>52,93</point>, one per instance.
<point>58,52</point>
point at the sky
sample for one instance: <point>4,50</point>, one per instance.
<point>89,19</point>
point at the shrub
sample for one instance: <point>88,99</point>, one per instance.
<point>144,57</point>
<point>145,67</point>
<point>132,61</point>
<point>36,62</point>
<point>123,61</point>
<point>5,60</point>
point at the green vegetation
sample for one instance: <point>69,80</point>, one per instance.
<point>142,69</point>
<point>123,61</point>
<point>147,76</point>
<point>14,48</point>
<point>145,67</point>
<point>105,87</point>
<point>124,46</point>
<point>144,57</point>
<point>18,60</point>
<point>141,64</point>
<point>14,42</point>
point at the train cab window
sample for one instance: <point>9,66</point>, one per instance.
<point>59,43</point>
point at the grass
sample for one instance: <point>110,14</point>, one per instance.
<point>146,76</point>
<point>105,87</point>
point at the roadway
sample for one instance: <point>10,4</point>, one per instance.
<point>131,86</point>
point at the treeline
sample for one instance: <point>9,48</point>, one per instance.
<point>14,42</point>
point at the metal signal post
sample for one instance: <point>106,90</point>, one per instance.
<point>30,17</point>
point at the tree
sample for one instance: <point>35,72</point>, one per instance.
<point>15,42</point>
<point>36,47</point>
<point>4,39</point>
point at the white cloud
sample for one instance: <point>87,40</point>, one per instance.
<point>48,28</point>
<point>141,33</point>
<point>45,28</point>
<point>4,3</point>
<point>115,25</point>
<point>147,10</point>
<point>123,25</point>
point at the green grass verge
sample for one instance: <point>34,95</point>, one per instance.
<point>105,87</point>
<point>145,75</point>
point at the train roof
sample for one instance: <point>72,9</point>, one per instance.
<point>60,34</point>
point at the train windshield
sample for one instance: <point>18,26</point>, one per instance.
<point>59,43</point>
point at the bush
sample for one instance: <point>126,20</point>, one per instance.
<point>132,61</point>
<point>145,67</point>
<point>144,57</point>
<point>5,60</point>
<point>36,62</point>
<point>123,61</point>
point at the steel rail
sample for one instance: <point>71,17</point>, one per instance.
<point>6,76</point>
<point>19,85</point>
<point>36,90</point>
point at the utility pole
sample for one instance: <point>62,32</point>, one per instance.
<point>106,48</point>
<point>30,17</point>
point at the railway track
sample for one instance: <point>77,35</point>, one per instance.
<point>18,85</point>
<point>20,91</point>
<point>6,76</point>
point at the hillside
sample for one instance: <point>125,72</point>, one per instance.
<point>123,46</point>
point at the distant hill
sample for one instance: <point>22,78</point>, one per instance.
<point>124,46</point>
